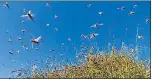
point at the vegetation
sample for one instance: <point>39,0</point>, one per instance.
<point>116,64</point>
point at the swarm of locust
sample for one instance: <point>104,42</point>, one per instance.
<point>116,64</point>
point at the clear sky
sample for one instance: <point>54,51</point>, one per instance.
<point>75,18</point>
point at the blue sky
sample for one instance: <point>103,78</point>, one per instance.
<point>75,18</point>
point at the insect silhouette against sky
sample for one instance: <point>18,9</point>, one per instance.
<point>29,15</point>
